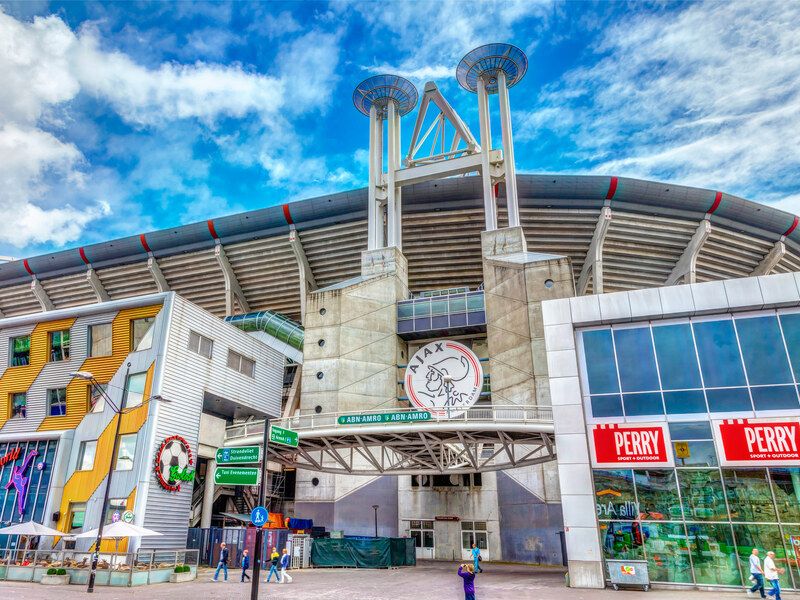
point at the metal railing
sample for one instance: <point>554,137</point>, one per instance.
<point>503,414</point>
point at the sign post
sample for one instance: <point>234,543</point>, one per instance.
<point>286,437</point>
<point>407,416</point>
<point>238,455</point>
<point>237,476</point>
<point>262,496</point>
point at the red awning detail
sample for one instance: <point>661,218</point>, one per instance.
<point>717,202</point>
<point>287,215</point>
<point>792,227</point>
<point>83,255</point>
<point>211,229</point>
<point>612,188</point>
<point>143,240</point>
<point>27,266</point>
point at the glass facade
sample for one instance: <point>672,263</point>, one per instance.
<point>455,310</point>
<point>696,523</point>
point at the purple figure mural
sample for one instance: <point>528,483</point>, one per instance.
<point>20,482</point>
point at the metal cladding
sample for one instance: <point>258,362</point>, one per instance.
<point>487,61</point>
<point>378,90</point>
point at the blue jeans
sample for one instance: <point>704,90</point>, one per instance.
<point>469,596</point>
<point>759,584</point>
<point>274,569</point>
<point>776,589</point>
<point>221,566</point>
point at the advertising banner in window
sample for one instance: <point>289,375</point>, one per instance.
<point>615,445</point>
<point>758,442</point>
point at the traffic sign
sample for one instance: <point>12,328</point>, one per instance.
<point>287,437</point>
<point>237,476</point>
<point>238,455</point>
<point>406,416</point>
<point>259,516</point>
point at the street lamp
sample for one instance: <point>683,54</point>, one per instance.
<point>448,385</point>
<point>118,412</point>
<point>375,507</point>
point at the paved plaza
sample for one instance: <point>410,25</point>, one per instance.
<point>429,580</point>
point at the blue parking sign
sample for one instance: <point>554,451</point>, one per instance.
<point>259,516</point>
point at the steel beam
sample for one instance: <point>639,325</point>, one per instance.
<point>685,270</point>
<point>593,265</point>
<point>41,295</point>
<point>771,260</point>
<point>233,291</point>
<point>155,272</point>
<point>97,285</point>
<point>307,281</point>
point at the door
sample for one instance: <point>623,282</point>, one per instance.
<point>422,532</point>
<point>474,532</point>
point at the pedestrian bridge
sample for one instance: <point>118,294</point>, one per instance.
<point>484,438</point>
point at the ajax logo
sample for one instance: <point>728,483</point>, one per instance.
<point>444,378</point>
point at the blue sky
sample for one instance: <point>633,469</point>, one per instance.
<point>121,118</point>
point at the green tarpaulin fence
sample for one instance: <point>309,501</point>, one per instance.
<point>366,553</point>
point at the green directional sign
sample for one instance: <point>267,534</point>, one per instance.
<point>279,435</point>
<point>406,416</point>
<point>237,476</point>
<point>238,455</point>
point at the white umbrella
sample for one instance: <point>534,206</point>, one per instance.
<point>30,528</point>
<point>120,529</point>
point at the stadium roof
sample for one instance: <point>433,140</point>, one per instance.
<point>651,229</point>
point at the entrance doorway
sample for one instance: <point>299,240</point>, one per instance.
<point>422,532</point>
<point>474,532</point>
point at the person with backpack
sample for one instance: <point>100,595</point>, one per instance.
<point>273,559</point>
<point>466,573</point>
<point>245,565</point>
<point>222,565</point>
<point>285,560</point>
<point>476,560</point>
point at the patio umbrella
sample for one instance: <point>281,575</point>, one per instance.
<point>29,529</point>
<point>120,530</point>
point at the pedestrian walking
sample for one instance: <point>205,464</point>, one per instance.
<point>466,573</point>
<point>285,560</point>
<point>772,574</point>
<point>273,568</point>
<point>756,574</point>
<point>245,565</point>
<point>222,565</point>
<point>476,559</point>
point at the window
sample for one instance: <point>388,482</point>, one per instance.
<point>115,505</point>
<point>57,402</point>
<point>749,496</point>
<point>100,340</point>
<point>637,364</point>
<point>474,532</point>
<point>762,350</point>
<point>20,351</point>
<point>86,452</point>
<point>59,345</point>
<point>422,532</point>
<point>677,362</point>
<point>600,367</point>
<point>142,333</point>
<point>244,365</point>
<point>614,495</point>
<point>200,344</point>
<point>126,452</point>
<point>719,354</point>
<point>134,390</point>
<point>95,399</point>
<point>702,494</point>
<point>19,405</point>
<point>77,515</point>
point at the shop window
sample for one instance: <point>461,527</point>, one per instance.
<point>126,452</point>
<point>474,532</point>
<point>614,495</point>
<point>718,349</point>
<point>19,405</point>
<point>667,550</point>
<point>647,403</point>
<point>59,345</point>
<point>762,350</point>
<point>242,364</point>
<point>200,344</point>
<point>601,370</point>
<point>791,333</point>
<point>749,495</point>
<point>96,401</point>
<point>57,402</point>
<point>713,554</point>
<point>622,540</point>
<point>607,406</point>
<point>657,493</point>
<point>635,359</point>
<point>702,494</point>
<point>422,533</point>
<point>86,453</point>
<point>677,362</point>
<point>729,400</point>
<point>142,333</point>
<point>765,538</point>
<point>134,390</point>
<point>692,444</point>
<point>115,505</point>
<point>100,337</point>
<point>786,487</point>
<point>20,351</point>
<point>77,516</point>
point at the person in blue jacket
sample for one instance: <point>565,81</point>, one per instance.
<point>245,565</point>
<point>476,560</point>
<point>285,561</point>
<point>223,561</point>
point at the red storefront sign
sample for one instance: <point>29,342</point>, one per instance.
<point>763,442</point>
<point>630,445</point>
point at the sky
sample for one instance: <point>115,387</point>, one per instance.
<point>123,118</point>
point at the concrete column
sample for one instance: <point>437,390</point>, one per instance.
<point>391,189</point>
<point>508,152</point>
<point>208,494</point>
<point>374,170</point>
<point>489,206</point>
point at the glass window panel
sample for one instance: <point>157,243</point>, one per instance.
<point>775,397</point>
<point>765,538</point>
<point>667,552</point>
<point>598,349</point>
<point>677,362</point>
<point>57,402</point>
<point>142,333</point>
<point>115,505</point>
<point>466,540</point>
<point>480,525</point>
<point>791,536</point>
<point>607,406</point>
<point>685,402</point>
<point>791,333</point>
<point>427,524</point>
<point>466,525</point>
<point>415,525</point>
<point>657,491</point>
<point>703,498</point>
<point>417,535</point>
<point>763,351</point>
<point>405,310</point>
<point>481,539</point>
<point>696,454</point>
<point>729,400</point>
<point>613,490</point>
<point>713,554</point>
<point>648,403</point>
<point>20,351</point>
<point>427,539</point>
<point>749,496</point>
<point>637,364</point>
<point>440,322</point>
<point>59,345</point>
<point>719,353</point>
<point>77,511</point>
<point>458,304</point>
<point>439,307</point>
<point>19,405</point>
<point>622,540</point>
<point>694,430</point>
<point>97,401</point>
<point>100,337</point>
<point>786,487</point>
<point>126,452</point>
<point>134,390</point>
<point>422,308</point>
<point>475,302</point>
<point>476,317</point>
<point>424,323</point>
<point>86,452</point>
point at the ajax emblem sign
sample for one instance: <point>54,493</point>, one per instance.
<point>444,378</point>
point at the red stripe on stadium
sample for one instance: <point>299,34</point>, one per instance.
<point>287,215</point>
<point>612,188</point>
<point>83,256</point>
<point>211,229</point>
<point>27,266</point>
<point>145,245</point>
<point>792,227</point>
<point>717,202</point>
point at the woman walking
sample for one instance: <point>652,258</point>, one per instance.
<point>466,573</point>
<point>285,560</point>
<point>476,559</point>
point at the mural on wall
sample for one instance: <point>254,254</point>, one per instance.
<point>19,482</point>
<point>173,463</point>
<point>25,471</point>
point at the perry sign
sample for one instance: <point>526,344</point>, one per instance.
<point>616,445</point>
<point>763,442</point>
<point>445,378</point>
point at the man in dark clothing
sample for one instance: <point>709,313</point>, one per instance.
<point>245,565</point>
<point>223,561</point>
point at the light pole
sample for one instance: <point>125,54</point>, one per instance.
<point>375,507</point>
<point>118,412</point>
<point>448,384</point>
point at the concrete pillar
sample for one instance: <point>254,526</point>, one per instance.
<point>489,205</point>
<point>393,131</point>
<point>374,170</point>
<point>508,151</point>
<point>208,494</point>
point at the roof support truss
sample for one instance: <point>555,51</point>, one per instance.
<point>685,270</point>
<point>771,260</point>
<point>233,291</point>
<point>41,295</point>
<point>158,276</point>
<point>593,265</point>
<point>97,286</point>
<point>307,281</point>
